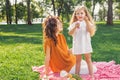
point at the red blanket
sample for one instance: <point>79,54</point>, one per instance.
<point>105,71</point>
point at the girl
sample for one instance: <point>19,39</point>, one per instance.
<point>82,27</point>
<point>57,55</point>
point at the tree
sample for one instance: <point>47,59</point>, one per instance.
<point>39,5</point>
<point>35,13</point>
<point>21,10</point>
<point>117,10</point>
<point>102,14</point>
<point>2,10</point>
<point>60,7</point>
<point>103,10</point>
<point>94,3</point>
<point>88,4</point>
<point>28,12</point>
<point>53,3</point>
<point>110,13</point>
<point>16,16</point>
<point>8,12</point>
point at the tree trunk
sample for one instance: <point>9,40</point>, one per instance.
<point>104,13</point>
<point>7,11</point>
<point>94,2</point>
<point>59,11</point>
<point>60,8</point>
<point>110,13</point>
<point>16,18</point>
<point>53,3</point>
<point>28,12</point>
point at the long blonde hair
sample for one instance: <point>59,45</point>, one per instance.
<point>74,19</point>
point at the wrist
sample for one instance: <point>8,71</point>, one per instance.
<point>86,20</point>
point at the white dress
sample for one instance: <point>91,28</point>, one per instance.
<point>81,39</point>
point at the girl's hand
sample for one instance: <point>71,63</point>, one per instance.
<point>77,25</point>
<point>86,18</point>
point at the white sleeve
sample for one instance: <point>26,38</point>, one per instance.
<point>71,26</point>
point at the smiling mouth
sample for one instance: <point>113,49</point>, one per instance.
<point>80,17</point>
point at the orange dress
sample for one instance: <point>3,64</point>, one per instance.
<point>60,59</point>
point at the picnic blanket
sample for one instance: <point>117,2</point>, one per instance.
<point>105,71</point>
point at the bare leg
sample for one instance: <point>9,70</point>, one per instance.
<point>89,63</point>
<point>78,64</point>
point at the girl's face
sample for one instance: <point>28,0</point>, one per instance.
<point>59,26</point>
<point>80,14</point>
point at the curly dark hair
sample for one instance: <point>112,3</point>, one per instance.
<point>50,28</point>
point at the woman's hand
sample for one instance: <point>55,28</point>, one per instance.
<point>44,76</point>
<point>46,71</point>
<point>70,51</point>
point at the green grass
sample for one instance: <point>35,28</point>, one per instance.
<point>106,43</point>
<point>21,48</point>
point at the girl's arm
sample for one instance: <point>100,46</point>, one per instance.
<point>90,27</point>
<point>73,30</point>
<point>47,59</point>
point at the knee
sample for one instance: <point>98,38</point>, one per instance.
<point>88,60</point>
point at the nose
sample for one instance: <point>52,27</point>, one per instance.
<point>78,14</point>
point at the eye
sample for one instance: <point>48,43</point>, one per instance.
<point>77,14</point>
<point>81,13</point>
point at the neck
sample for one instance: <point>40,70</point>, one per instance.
<point>57,33</point>
<point>80,20</point>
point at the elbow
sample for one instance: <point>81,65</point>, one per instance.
<point>70,33</point>
<point>92,33</point>
<point>47,58</point>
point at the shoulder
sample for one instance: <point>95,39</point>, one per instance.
<point>61,35</point>
<point>47,41</point>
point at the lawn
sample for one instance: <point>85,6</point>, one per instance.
<point>21,48</point>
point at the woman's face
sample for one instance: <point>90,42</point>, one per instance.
<point>59,25</point>
<point>80,14</point>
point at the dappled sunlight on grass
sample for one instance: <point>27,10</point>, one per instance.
<point>21,48</point>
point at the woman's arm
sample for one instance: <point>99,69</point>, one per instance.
<point>47,59</point>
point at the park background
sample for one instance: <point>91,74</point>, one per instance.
<point>21,33</point>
